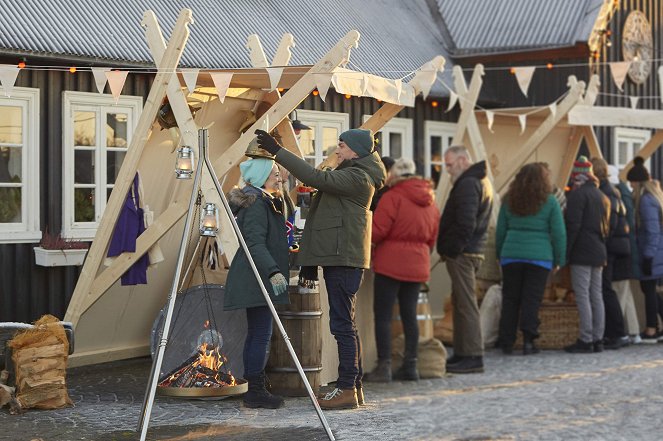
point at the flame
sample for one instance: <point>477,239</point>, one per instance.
<point>209,357</point>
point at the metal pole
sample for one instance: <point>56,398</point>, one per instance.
<point>202,142</point>
<point>144,420</point>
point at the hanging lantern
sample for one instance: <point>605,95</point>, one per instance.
<point>209,220</point>
<point>184,163</point>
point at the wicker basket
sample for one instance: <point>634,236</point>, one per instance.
<point>558,328</point>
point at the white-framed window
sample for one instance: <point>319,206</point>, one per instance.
<point>438,136</point>
<point>395,138</point>
<point>321,141</point>
<point>96,134</point>
<point>19,166</point>
<point>626,144</point>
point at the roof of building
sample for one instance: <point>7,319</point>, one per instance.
<point>499,26</point>
<point>396,37</point>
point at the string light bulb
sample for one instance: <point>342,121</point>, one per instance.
<point>72,69</point>
<point>21,64</point>
<point>549,66</point>
<point>434,104</point>
<point>315,92</point>
<point>512,71</point>
<point>348,96</point>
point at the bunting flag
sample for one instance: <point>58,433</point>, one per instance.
<point>453,99</point>
<point>553,109</point>
<point>100,79</point>
<point>399,88</point>
<point>660,81</point>
<point>490,116</point>
<point>221,82</point>
<point>8,74</point>
<point>322,83</point>
<point>274,76</point>
<point>619,69</point>
<point>524,77</point>
<point>190,78</point>
<point>364,84</point>
<point>523,121</point>
<point>634,102</point>
<point>116,79</point>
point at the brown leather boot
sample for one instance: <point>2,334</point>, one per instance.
<point>339,399</point>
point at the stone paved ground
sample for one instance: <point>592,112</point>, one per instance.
<point>615,395</point>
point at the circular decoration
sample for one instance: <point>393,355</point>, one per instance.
<point>637,46</point>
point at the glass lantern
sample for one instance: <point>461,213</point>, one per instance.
<point>184,163</point>
<point>209,220</point>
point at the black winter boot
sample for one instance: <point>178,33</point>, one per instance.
<point>257,396</point>
<point>381,373</point>
<point>407,371</point>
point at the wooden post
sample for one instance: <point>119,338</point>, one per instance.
<point>128,170</point>
<point>569,157</point>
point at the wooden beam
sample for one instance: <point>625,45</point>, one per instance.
<point>569,157</point>
<point>129,166</point>
<point>645,152</point>
<point>592,142</point>
<point>526,150</point>
<point>583,115</point>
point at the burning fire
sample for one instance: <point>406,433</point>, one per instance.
<point>202,369</point>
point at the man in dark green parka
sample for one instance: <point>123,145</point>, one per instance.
<point>337,236</point>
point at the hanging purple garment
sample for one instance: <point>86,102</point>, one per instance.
<point>130,225</point>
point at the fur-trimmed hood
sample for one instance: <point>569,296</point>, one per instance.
<point>245,197</point>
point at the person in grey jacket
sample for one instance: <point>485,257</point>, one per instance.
<point>337,237</point>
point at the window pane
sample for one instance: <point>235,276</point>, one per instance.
<point>108,193</point>
<point>84,166</point>
<point>85,129</point>
<point>329,140</point>
<point>10,205</point>
<point>395,145</point>
<point>11,125</point>
<point>622,152</point>
<point>307,142</point>
<point>636,148</point>
<point>10,164</point>
<point>116,130</point>
<point>84,205</point>
<point>113,165</point>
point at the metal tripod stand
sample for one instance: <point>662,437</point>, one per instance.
<point>203,156</point>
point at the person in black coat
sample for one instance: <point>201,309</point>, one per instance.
<point>617,245</point>
<point>460,243</point>
<point>587,228</point>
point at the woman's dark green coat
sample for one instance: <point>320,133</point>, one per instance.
<point>263,228</point>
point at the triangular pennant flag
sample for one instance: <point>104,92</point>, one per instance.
<point>660,81</point>
<point>524,77</point>
<point>100,79</point>
<point>619,69</point>
<point>364,84</point>
<point>322,83</point>
<point>399,88</point>
<point>221,82</point>
<point>523,121</point>
<point>453,99</point>
<point>553,109</point>
<point>190,78</point>
<point>634,102</point>
<point>490,116</point>
<point>428,80</point>
<point>116,79</point>
<point>274,76</point>
<point>8,76</point>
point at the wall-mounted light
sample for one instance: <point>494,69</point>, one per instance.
<point>209,220</point>
<point>184,163</point>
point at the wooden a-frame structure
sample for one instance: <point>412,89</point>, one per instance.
<point>114,322</point>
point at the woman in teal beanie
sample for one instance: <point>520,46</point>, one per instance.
<point>531,241</point>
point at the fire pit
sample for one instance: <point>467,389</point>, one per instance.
<point>202,375</point>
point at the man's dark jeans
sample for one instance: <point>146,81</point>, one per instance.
<point>342,284</point>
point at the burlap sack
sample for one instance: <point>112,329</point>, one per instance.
<point>431,356</point>
<point>40,362</point>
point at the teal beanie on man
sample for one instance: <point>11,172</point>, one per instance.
<point>359,140</point>
<point>256,171</point>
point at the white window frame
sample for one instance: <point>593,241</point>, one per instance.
<point>444,130</point>
<point>317,121</point>
<point>28,229</point>
<point>402,126</point>
<point>631,136</point>
<point>101,104</point>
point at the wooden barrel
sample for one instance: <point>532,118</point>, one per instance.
<point>424,319</point>
<point>302,322</point>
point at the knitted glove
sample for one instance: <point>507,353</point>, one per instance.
<point>646,266</point>
<point>279,284</point>
<point>267,142</point>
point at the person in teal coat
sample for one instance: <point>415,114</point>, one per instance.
<point>264,230</point>
<point>531,241</point>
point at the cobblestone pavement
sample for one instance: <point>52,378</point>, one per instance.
<point>614,395</point>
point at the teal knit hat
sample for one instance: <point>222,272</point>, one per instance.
<point>256,171</point>
<point>359,140</point>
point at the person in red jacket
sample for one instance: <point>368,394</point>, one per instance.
<point>405,226</point>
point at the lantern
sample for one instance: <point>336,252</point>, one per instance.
<point>209,220</point>
<point>184,163</point>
